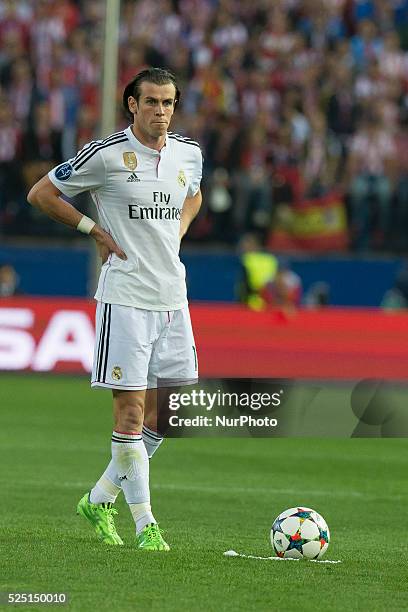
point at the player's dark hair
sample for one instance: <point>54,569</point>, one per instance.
<point>158,76</point>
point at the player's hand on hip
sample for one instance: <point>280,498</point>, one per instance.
<point>106,244</point>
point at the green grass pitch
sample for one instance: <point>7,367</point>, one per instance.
<point>210,495</point>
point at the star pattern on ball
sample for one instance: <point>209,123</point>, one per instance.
<point>277,525</point>
<point>324,536</point>
<point>296,541</point>
<point>303,514</point>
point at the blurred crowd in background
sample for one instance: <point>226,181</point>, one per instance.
<point>290,100</point>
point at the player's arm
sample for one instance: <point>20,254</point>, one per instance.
<point>189,211</point>
<point>46,197</point>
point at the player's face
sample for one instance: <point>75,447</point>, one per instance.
<point>154,110</point>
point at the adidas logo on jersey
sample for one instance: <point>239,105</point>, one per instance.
<point>133,178</point>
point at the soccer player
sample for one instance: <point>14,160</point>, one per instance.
<point>145,183</point>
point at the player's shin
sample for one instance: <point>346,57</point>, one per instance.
<point>107,488</point>
<point>152,440</point>
<point>131,462</point>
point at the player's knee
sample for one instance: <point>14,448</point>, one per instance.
<point>129,415</point>
<point>130,419</point>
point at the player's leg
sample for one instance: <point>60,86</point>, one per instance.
<point>152,438</point>
<point>123,344</point>
<point>107,488</point>
<point>156,418</point>
<point>173,363</point>
<point>129,454</point>
<point>131,461</point>
<point>96,506</point>
<point>173,359</point>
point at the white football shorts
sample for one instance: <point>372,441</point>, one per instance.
<point>143,349</point>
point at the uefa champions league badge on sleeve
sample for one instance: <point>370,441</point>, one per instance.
<point>63,172</point>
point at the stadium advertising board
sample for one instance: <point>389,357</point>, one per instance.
<point>46,336</point>
<point>57,335</point>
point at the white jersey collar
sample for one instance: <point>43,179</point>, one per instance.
<point>141,147</point>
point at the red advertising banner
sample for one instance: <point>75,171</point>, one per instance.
<point>46,335</point>
<point>57,335</point>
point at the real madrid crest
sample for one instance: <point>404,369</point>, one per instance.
<point>117,373</point>
<point>181,179</point>
<point>130,160</point>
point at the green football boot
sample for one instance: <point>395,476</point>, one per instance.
<point>150,538</point>
<point>101,518</point>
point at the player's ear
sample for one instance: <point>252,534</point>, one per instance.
<point>132,104</point>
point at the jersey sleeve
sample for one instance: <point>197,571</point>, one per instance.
<point>197,173</point>
<point>84,172</point>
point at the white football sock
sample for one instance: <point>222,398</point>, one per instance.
<point>107,488</point>
<point>152,440</point>
<point>131,462</point>
<point>142,515</point>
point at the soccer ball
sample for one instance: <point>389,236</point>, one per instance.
<point>300,533</point>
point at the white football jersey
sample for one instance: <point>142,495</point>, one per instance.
<point>139,194</point>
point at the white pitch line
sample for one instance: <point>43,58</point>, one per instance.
<point>267,490</point>
<point>224,489</point>
<point>233,553</point>
<point>272,490</point>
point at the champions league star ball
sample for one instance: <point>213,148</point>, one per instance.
<point>300,533</point>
